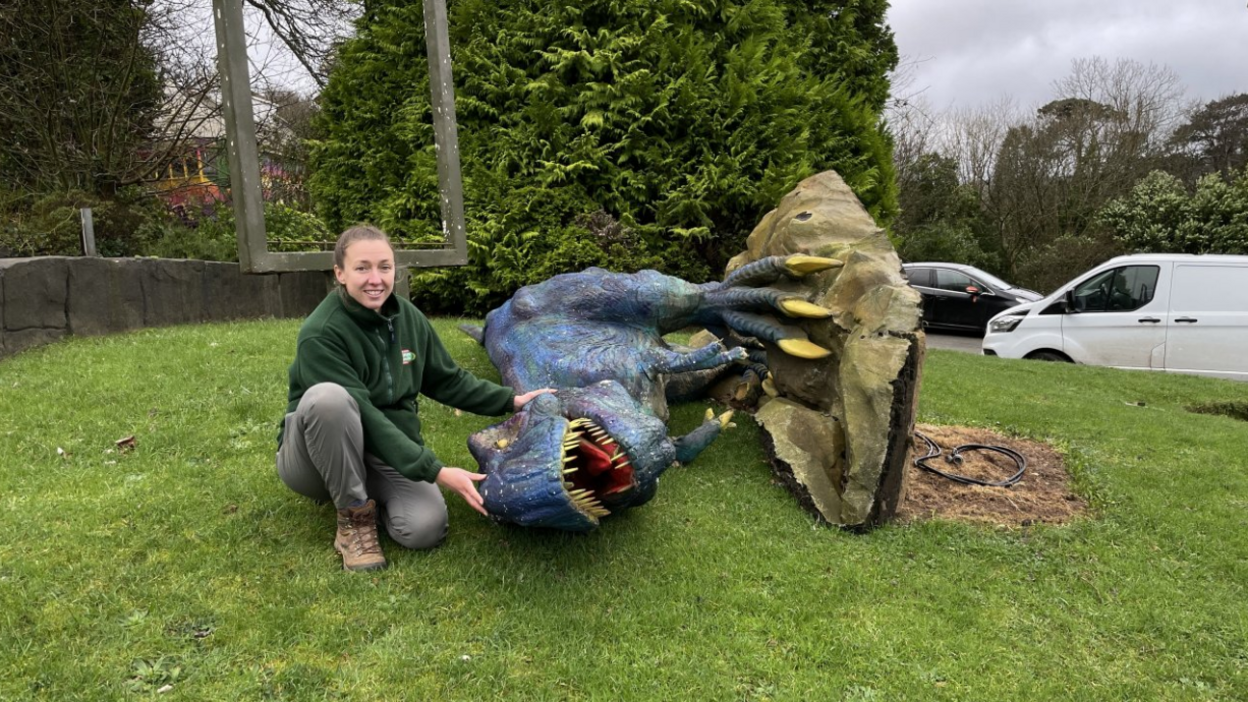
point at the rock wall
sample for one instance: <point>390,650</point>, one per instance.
<point>46,298</point>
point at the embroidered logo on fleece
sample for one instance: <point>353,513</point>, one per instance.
<point>408,357</point>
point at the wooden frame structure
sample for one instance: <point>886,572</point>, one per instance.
<point>244,153</point>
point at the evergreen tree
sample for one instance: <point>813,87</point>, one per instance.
<point>607,132</point>
<point>1215,138</point>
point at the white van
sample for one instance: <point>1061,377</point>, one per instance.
<point>1174,312</point>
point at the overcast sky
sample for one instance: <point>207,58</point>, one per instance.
<point>970,52</point>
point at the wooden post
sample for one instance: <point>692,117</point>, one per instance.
<point>445,134</point>
<point>240,132</point>
<point>88,232</point>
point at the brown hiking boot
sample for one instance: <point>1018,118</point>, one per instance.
<point>357,538</point>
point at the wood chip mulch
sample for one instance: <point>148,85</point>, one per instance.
<point>1042,496</point>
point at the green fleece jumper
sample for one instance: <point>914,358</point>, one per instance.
<point>384,359</point>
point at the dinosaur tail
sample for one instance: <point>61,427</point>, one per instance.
<point>477,333</point>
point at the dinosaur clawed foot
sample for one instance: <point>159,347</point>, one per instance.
<point>738,303</point>
<point>723,419</point>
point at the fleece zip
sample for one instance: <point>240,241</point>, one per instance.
<point>384,359</point>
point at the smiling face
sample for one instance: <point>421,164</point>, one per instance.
<point>367,272</point>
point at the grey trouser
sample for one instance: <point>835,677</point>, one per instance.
<point>322,457</point>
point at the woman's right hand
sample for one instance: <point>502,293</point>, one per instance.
<point>464,484</point>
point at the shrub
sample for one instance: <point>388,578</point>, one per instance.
<point>214,238</point>
<point>1159,215</point>
<point>51,224</point>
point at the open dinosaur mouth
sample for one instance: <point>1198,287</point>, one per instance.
<point>595,468</point>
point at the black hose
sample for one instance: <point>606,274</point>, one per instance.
<point>955,457</point>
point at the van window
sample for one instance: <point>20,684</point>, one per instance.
<point>1117,290</point>
<point>1206,288</point>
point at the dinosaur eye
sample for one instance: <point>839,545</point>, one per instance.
<point>803,216</point>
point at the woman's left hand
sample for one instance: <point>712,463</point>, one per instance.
<point>522,400</point>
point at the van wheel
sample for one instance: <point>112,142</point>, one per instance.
<point>1048,356</point>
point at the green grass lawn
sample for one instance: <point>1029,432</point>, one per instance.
<point>185,561</point>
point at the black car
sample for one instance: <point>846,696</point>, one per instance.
<point>962,298</point>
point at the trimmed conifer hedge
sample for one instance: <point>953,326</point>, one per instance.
<point>620,133</point>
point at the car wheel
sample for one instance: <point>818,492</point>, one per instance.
<point>1049,356</point>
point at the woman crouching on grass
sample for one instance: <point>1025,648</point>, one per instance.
<point>352,431</point>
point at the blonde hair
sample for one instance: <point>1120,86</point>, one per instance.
<point>359,232</point>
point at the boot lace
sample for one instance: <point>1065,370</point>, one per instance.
<point>364,533</point>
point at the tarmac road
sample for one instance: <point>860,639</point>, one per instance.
<point>968,343</point>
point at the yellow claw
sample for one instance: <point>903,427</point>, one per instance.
<point>805,265</point>
<point>802,348</point>
<point>769,387</point>
<point>501,443</point>
<point>725,419</point>
<point>710,413</point>
<point>797,307</point>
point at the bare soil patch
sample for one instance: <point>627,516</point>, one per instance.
<point>1043,494</point>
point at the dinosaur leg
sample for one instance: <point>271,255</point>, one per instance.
<point>713,355</point>
<point>690,445</point>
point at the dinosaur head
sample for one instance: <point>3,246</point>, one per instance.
<point>571,458</point>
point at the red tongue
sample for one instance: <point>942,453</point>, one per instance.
<point>594,459</point>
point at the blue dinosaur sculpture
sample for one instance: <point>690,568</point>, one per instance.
<point>599,445</point>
